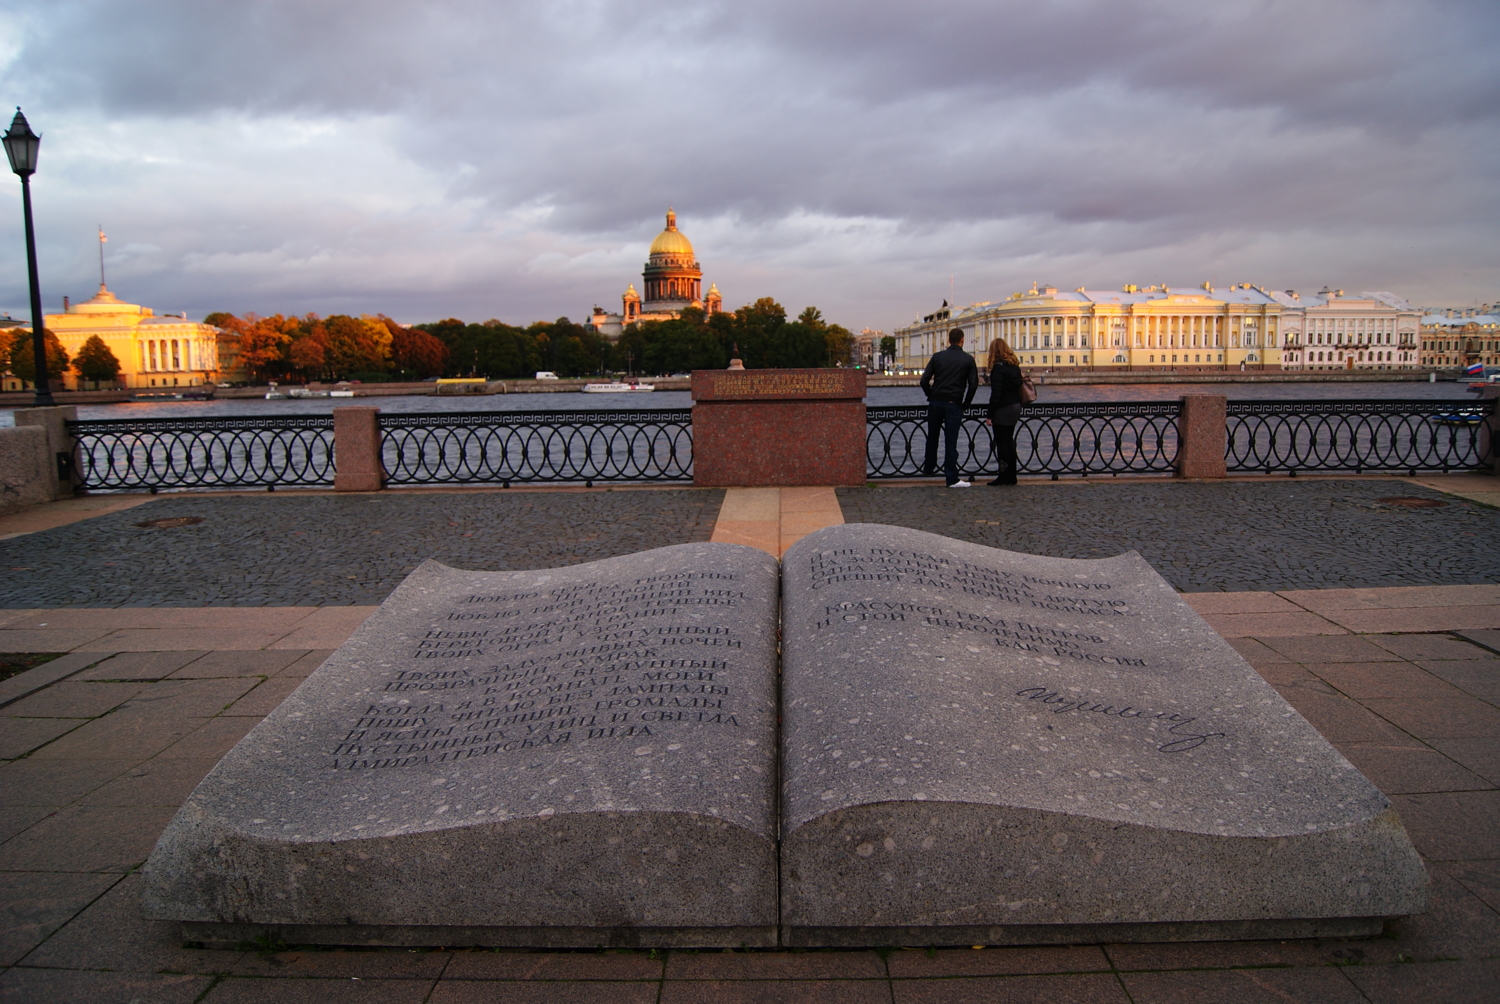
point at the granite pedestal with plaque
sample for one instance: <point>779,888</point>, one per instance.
<point>976,747</point>
<point>778,427</point>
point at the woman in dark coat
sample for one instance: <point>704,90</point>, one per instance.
<point>1004,407</point>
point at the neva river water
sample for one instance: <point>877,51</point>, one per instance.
<point>1442,391</point>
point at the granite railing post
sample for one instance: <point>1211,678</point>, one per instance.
<point>59,444</point>
<point>1489,433</point>
<point>1202,436</point>
<point>763,428</point>
<point>357,461</point>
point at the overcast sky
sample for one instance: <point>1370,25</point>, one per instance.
<point>514,160</point>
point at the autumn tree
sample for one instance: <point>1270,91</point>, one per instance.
<point>354,345</point>
<point>96,362</point>
<point>415,351</point>
<point>23,357</point>
<point>263,341</point>
<point>308,349</point>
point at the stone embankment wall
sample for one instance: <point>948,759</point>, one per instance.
<point>28,457</point>
<point>24,463</point>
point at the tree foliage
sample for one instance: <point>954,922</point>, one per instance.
<point>96,362</point>
<point>288,347</point>
<point>22,357</point>
<point>415,352</point>
<point>501,351</point>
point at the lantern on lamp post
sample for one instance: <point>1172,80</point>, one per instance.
<point>22,146</point>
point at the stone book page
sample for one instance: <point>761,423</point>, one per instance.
<point>575,756</point>
<point>986,747</point>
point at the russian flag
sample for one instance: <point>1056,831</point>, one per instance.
<point>1476,369</point>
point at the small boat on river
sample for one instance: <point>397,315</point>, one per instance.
<point>617,387</point>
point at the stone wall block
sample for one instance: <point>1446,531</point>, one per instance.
<point>356,450</point>
<point>1201,436</point>
<point>53,421</point>
<point>27,471</point>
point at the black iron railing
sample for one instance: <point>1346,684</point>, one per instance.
<point>1056,439</point>
<point>1410,436</point>
<point>157,453</point>
<point>615,446</point>
<point>538,446</point>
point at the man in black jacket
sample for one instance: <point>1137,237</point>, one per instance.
<point>949,381</point>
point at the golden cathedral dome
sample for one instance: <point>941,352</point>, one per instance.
<point>671,241</point>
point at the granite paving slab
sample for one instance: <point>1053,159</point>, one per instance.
<point>331,550</point>
<point>1233,535</point>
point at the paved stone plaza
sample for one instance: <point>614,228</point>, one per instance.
<point>1275,533</point>
<point>322,549</point>
<point>100,746</point>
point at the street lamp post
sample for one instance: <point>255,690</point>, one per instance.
<point>22,146</point>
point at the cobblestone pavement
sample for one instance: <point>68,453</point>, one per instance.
<point>1227,535</point>
<point>92,768</point>
<point>331,550</point>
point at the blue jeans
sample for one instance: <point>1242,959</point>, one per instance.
<point>947,416</point>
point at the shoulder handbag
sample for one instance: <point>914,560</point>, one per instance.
<point>1028,390</point>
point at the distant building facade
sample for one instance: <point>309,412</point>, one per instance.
<point>1459,338</point>
<point>1178,328</point>
<point>865,350</point>
<point>1363,331</point>
<point>673,281</point>
<point>153,351</point>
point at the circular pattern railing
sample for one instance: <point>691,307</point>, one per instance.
<point>538,446</point>
<point>288,450</point>
<point>1055,439</point>
<point>1410,436</point>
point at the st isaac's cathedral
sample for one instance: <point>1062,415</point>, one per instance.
<point>673,282</point>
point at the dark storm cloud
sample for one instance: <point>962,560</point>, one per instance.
<point>853,155</point>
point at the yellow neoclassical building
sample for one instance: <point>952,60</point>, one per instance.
<point>1179,328</point>
<point>168,351</point>
<point>1157,327</point>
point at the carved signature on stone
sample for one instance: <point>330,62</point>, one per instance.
<point>1185,740</point>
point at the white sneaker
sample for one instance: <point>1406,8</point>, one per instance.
<point>961,484</point>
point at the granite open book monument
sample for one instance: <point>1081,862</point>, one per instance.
<point>974,747</point>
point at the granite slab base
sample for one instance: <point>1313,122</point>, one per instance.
<point>574,756</point>
<point>979,740</point>
<point>1080,934</point>
<point>212,935</point>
